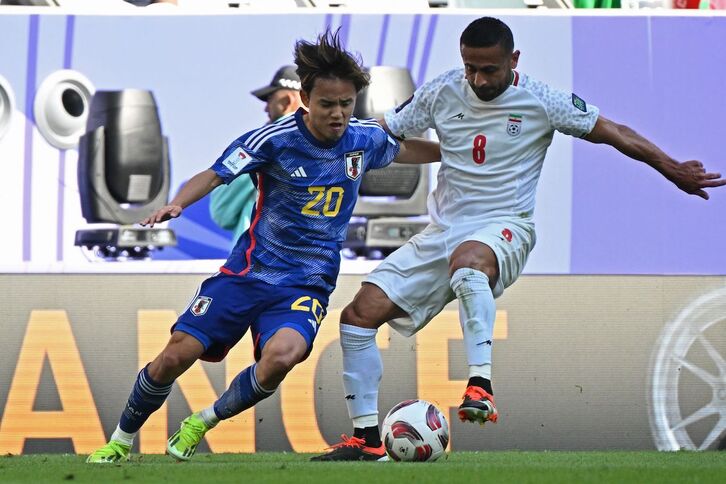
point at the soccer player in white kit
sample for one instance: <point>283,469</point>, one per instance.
<point>494,125</point>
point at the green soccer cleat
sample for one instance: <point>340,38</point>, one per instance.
<point>110,453</point>
<point>183,443</point>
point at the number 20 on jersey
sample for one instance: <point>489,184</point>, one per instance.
<point>325,201</point>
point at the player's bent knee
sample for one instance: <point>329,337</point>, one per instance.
<point>280,360</point>
<point>282,363</point>
<point>350,315</point>
<point>491,272</point>
<point>168,366</point>
<point>284,350</point>
<point>370,308</point>
<point>488,267</point>
<point>357,315</point>
<point>170,360</point>
<point>474,255</point>
<point>367,310</point>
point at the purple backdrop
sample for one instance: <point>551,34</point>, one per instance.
<point>626,218</point>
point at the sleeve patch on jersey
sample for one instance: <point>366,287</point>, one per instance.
<point>237,160</point>
<point>579,103</point>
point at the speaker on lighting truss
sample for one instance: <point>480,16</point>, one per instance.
<point>391,200</point>
<point>123,175</point>
<point>61,107</point>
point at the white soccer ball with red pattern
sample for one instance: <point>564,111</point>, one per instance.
<point>415,431</point>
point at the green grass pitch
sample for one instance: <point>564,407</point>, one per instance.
<point>459,467</point>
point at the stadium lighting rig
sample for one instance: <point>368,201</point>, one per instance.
<point>123,175</point>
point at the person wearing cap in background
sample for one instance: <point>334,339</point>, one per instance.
<point>231,205</point>
<point>282,96</point>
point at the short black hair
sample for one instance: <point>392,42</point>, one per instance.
<point>328,59</point>
<point>487,32</point>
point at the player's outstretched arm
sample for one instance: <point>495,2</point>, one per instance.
<point>198,186</point>
<point>414,151</point>
<point>690,176</point>
<point>417,151</point>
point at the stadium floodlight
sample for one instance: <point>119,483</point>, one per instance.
<point>388,197</point>
<point>123,174</point>
<point>399,190</point>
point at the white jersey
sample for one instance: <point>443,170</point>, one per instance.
<point>492,152</point>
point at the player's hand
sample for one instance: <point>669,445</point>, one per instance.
<point>165,213</point>
<point>691,177</point>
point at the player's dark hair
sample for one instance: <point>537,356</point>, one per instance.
<point>328,59</point>
<point>487,32</point>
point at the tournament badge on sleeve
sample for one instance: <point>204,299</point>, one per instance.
<point>353,164</point>
<point>514,124</point>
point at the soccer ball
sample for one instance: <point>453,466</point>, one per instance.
<point>415,431</point>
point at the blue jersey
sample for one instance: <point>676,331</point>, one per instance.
<point>306,193</point>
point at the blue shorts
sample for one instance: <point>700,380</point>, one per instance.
<point>227,305</point>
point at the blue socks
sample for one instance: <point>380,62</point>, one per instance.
<point>146,398</point>
<point>243,393</point>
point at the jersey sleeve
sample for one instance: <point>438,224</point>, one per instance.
<point>415,115</point>
<point>567,112</point>
<point>384,149</point>
<point>238,159</point>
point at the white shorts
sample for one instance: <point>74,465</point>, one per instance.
<point>416,276</point>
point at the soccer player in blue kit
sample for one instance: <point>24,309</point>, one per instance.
<point>277,280</point>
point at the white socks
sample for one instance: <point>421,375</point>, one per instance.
<point>209,416</point>
<point>123,437</point>
<point>362,365</point>
<point>477,312</point>
<point>362,372</point>
<point>484,371</point>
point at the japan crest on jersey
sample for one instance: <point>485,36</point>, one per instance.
<point>514,124</point>
<point>353,164</point>
<point>200,305</point>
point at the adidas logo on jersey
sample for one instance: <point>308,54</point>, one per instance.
<point>299,173</point>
